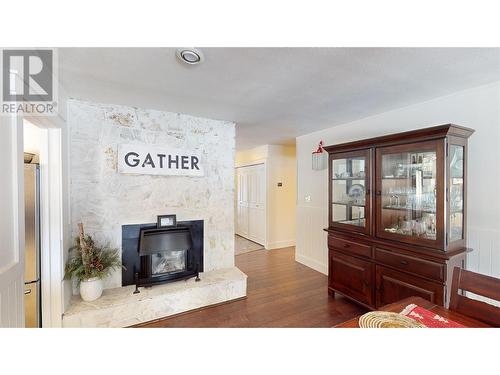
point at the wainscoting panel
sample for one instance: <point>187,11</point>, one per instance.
<point>485,257</point>
<point>311,247</point>
<point>10,304</point>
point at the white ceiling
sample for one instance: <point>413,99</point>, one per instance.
<point>275,94</point>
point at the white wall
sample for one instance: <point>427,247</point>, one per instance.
<point>477,108</point>
<point>281,201</point>
<point>104,200</point>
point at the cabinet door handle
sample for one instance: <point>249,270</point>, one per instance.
<point>27,291</point>
<point>404,262</point>
<point>378,192</point>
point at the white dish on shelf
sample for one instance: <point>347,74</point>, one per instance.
<point>356,191</point>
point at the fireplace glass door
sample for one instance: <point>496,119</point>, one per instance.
<point>168,262</point>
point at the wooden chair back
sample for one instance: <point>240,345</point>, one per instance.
<point>482,285</point>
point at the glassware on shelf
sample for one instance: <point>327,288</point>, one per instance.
<point>420,228</point>
<point>400,170</point>
<point>394,203</point>
<point>409,186</point>
<point>406,227</point>
<point>415,227</point>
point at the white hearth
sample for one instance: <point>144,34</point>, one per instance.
<point>119,307</point>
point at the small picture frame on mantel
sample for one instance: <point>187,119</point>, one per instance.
<point>165,221</point>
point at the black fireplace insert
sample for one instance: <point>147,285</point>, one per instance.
<point>155,255</point>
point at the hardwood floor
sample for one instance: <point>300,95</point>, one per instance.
<point>243,246</point>
<point>281,293</point>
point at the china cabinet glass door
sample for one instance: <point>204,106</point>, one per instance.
<point>410,193</point>
<point>350,189</point>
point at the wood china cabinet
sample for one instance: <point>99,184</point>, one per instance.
<point>397,215</point>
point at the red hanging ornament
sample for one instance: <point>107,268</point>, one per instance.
<point>319,158</point>
<point>320,148</point>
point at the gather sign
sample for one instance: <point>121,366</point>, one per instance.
<point>154,160</point>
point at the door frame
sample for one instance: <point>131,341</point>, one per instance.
<point>53,238</point>
<point>266,199</point>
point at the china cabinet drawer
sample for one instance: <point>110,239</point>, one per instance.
<point>393,286</point>
<point>351,277</point>
<point>407,263</point>
<point>350,246</point>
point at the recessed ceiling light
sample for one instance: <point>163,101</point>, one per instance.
<point>191,56</point>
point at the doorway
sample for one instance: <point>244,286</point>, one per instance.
<point>44,255</point>
<point>251,212</point>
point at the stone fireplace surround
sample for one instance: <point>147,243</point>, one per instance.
<point>104,199</point>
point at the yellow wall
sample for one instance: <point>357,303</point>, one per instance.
<point>282,167</point>
<point>249,156</point>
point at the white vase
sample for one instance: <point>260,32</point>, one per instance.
<point>91,289</point>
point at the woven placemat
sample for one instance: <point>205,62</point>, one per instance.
<point>384,319</point>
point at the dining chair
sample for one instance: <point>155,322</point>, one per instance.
<point>481,285</point>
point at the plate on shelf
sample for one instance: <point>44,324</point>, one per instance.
<point>384,319</point>
<point>356,191</point>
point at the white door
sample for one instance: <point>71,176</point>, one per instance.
<point>11,223</point>
<point>242,203</point>
<point>257,204</point>
<point>251,202</point>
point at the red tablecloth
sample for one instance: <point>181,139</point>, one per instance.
<point>428,318</point>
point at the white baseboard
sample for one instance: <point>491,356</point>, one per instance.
<point>312,263</point>
<point>250,238</point>
<point>280,244</point>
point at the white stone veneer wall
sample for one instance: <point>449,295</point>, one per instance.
<point>104,200</point>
